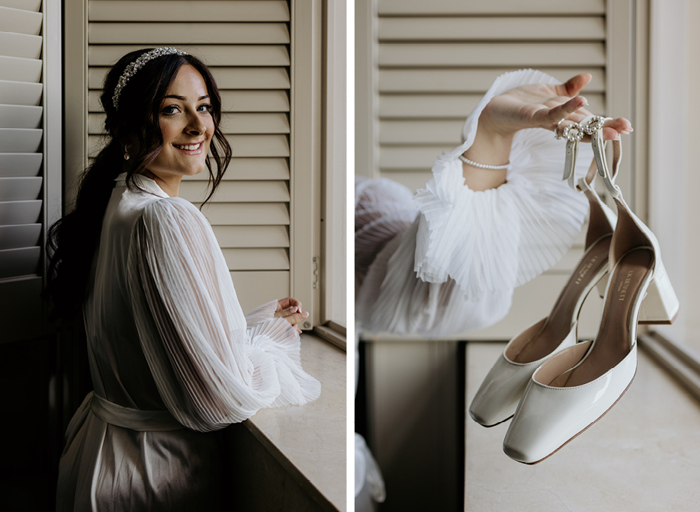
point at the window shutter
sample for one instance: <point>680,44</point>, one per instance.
<point>431,62</point>
<point>247,46</point>
<point>24,162</point>
<point>437,59</point>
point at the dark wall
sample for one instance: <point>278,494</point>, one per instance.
<point>42,382</point>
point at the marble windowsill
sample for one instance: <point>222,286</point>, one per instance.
<point>310,441</point>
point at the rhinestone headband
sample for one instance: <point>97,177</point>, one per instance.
<point>134,67</point>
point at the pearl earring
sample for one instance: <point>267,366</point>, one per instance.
<point>126,153</point>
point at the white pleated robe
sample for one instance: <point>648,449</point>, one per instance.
<point>171,357</point>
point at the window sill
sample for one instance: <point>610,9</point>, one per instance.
<point>309,442</point>
<point>333,333</point>
<point>649,436</point>
<point>678,361</point>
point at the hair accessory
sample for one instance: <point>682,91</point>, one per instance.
<point>134,67</point>
<point>126,153</point>
<point>483,166</point>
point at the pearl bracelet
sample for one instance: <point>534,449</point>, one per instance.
<point>483,166</point>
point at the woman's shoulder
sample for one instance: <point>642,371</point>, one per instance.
<point>172,209</point>
<point>171,227</point>
<point>174,230</point>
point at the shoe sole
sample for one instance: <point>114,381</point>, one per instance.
<point>589,426</point>
<point>493,424</point>
<point>660,322</point>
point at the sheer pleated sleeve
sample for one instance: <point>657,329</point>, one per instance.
<point>451,265</point>
<point>211,366</point>
<point>261,314</point>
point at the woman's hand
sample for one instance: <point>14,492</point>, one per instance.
<point>527,106</point>
<point>290,310</point>
<point>543,106</point>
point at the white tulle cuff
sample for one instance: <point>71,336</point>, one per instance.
<point>261,314</point>
<point>279,341</point>
<point>494,240</point>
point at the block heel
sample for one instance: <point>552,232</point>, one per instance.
<point>660,306</point>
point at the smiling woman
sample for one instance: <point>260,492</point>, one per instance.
<point>171,354</point>
<point>187,128</point>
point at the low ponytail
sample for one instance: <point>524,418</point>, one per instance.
<point>72,240</point>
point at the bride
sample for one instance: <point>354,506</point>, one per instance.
<point>171,354</point>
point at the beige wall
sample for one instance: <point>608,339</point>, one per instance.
<point>692,295</point>
<point>673,177</point>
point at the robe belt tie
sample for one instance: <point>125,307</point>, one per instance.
<point>134,419</point>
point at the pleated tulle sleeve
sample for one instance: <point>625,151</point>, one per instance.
<point>261,314</point>
<point>211,366</point>
<point>494,240</point>
<point>451,265</point>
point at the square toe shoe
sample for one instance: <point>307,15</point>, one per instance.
<point>549,416</point>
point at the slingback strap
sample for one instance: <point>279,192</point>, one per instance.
<point>601,161</point>
<point>599,156</point>
<point>601,220</point>
<point>134,419</point>
<point>573,134</point>
<point>661,304</point>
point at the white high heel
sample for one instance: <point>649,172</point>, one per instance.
<point>503,387</point>
<point>577,386</point>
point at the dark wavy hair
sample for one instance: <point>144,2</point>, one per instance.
<point>73,240</point>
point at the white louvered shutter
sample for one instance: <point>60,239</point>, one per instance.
<point>431,62</point>
<point>246,44</point>
<point>437,59</point>
<point>24,163</point>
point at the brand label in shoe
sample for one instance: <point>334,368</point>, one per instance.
<point>624,285</point>
<point>585,270</point>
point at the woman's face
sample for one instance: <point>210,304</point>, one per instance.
<point>187,127</point>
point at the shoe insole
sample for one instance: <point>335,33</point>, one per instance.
<point>558,324</point>
<point>614,338</point>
